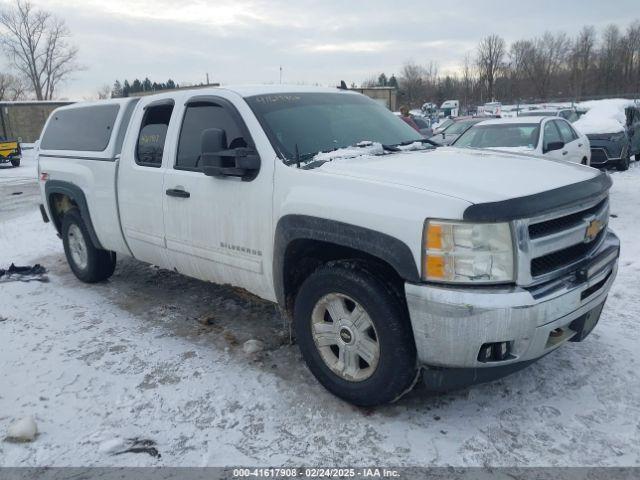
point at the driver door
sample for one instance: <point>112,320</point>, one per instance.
<point>217,228</point>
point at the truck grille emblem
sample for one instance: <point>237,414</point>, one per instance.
<point>593,230</point>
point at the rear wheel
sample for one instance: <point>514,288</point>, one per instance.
<point>355,335</point>
<point>15,162</point>
<point>88,263</point>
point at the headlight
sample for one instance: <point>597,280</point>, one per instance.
<point>460,252</point>
<point>617,137</point>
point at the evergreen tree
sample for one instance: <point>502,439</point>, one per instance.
<point>126,89</point>
<point>116,91</point>
<point>136,86</point>
<point>393,82</point>
<point>382,80</point>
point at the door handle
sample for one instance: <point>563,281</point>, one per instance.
<point>579,144</point>
<point>565,152</point>
<point>175,192</point>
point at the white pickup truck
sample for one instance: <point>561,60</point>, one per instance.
<point>391,258</point>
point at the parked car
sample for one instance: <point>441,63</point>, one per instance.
<point>632,115</point>
<point>568,114</point>
<point>455,129</point>
<point>423,126</point>
<point>542,136</point>
<point>10,152</point>
<point>438,128</point>
<point>386,256</point>
<point>614,136</point>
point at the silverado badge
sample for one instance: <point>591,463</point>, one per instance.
<point>593,230</point>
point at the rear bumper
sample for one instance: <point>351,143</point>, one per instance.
<point>452,325</point>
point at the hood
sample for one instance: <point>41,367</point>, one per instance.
<point>477,176</point>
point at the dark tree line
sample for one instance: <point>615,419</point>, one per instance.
<point>127,88</point>
<point>552,66</point>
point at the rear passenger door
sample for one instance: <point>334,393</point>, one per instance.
<point>143,163</point>
<point>218,228</point>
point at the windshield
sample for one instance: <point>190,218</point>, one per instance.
<point>458,127</point>
<point>518,135</point>
<point>309,123</point>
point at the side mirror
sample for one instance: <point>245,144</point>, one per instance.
<point>552,146</point>
<point>444,135</point>
<point>218,161</point>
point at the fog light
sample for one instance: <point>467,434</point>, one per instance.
<point>495,352</point>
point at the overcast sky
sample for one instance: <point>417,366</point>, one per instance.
<point>314,41</point>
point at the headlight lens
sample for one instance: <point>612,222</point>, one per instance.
<point>460,252</point>
<point>617,137</point>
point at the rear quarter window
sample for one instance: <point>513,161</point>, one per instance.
<point>86,129</point>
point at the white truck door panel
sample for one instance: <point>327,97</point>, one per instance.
<point>220,232</point>
<point>141,179</point>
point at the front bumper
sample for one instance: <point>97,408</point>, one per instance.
<point>451,325</point>
<point>605,152</point>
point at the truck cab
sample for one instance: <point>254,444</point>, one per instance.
<point>391,258</point>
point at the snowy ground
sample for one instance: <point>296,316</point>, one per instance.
<point>156,356</point>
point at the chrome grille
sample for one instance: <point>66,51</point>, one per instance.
<point>551,245</point>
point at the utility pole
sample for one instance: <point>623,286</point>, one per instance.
<point>207,78</point>
<point>280,74</point>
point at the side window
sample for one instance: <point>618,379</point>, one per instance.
<point>153,133</point>
<point>566,131</point>
<point>199,117</point>
<point>86,129</point>
<point>551,134</point>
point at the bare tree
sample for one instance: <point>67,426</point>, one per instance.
<point>581,60</point>
<point>36,44</point>
<point>412,82</point>
<point>489,60</point>
<point>104,92</point>
<point>11,87</point>
<point>468,80</point>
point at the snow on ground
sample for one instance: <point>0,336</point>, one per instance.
<point>154,356</point>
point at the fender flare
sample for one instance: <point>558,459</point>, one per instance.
<point>76,194</point>
<point>302,227</point>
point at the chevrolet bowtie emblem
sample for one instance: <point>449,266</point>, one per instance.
<point>593,230</point>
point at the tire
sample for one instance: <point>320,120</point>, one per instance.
<point>624,162</point>
<point>381,319</point>
<point>15,162</point>
<point>88,263</point>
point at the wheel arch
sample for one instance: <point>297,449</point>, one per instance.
<point>302,243</point>
<point>60,196</point>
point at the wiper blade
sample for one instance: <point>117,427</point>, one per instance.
<point>420,140</point>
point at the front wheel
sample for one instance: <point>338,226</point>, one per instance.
<point>355,335</point>
<point>88,263</point>
<point>15,162</point>
<point>624,162</point>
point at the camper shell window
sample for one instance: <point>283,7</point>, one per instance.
<point>85,129</point>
